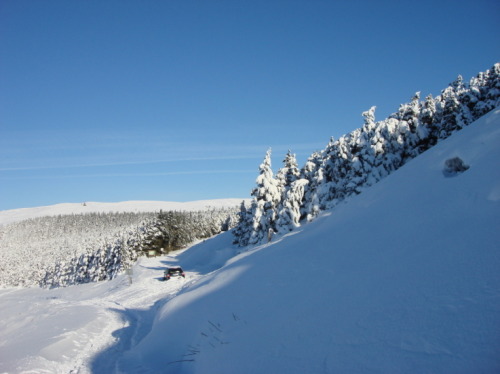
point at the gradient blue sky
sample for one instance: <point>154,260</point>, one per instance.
<point>117,100</point>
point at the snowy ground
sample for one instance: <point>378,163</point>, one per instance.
<point>62,330</point>
<point>403,278</point>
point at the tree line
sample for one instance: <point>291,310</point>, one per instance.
<point>71,249</point>
<point>281,202</point>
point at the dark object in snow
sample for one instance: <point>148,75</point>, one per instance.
<point>454,166</point>
<point>175,271</point>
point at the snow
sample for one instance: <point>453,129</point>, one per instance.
<point>15,215</point>
<point>78,248</point>
<point>402,278</point>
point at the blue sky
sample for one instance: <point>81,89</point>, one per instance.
<point>179,100</point>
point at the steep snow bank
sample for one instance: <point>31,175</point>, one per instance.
<point>402,278</point>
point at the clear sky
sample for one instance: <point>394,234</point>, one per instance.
<point>115,100</point>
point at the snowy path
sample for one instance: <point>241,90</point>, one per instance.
<point>87,328</point>
<point>61,330</point>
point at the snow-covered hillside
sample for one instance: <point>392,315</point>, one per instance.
<point>14,215</point>
<point>403,278</point>
<point>61,249</point>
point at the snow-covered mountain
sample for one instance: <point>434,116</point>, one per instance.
<point>15,215</point>
<point>402,278</point>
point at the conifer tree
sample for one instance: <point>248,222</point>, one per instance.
<point>290,169</point>
<point>313,173</point>
<point>427,117</point>
<point>260,219</point>
<point>292,193</point>
<point>242,231</point>
<point>368,154</point>
<point>285,176</point>
<point>266,197</point>
<point>290,212</point>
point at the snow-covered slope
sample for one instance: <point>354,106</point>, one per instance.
<point>14,215</point>
<point>403,278</point>
<point>63,247</point>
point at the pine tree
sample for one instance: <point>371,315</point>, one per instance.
<point>285,176</point>
<point>290,170</point>
<point>428,120</point>
<point>451,107</point>
<point>369,121</point>
<point>368,154</point>
<point>266,199</point>
<point>292,194</point>
<point>257,222</point>
<point>290,212</point>
<point>313,173</point>
<point>242,231</point>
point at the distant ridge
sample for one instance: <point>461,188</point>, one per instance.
<point>15,215</point>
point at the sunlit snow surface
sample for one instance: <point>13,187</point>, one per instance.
<point>404,278</point>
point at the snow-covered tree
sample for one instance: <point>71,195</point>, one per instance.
<point>289,215</point>
<point>366,155</point>
<point>313,173</point>
<point>285,176</point>
<point>266,199</point>
<point>261,217</point>
<point>289,173</point>
<point>79,248</point>
<point>242,231</point>
<point>292,194</point>
<point>369,121</point>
